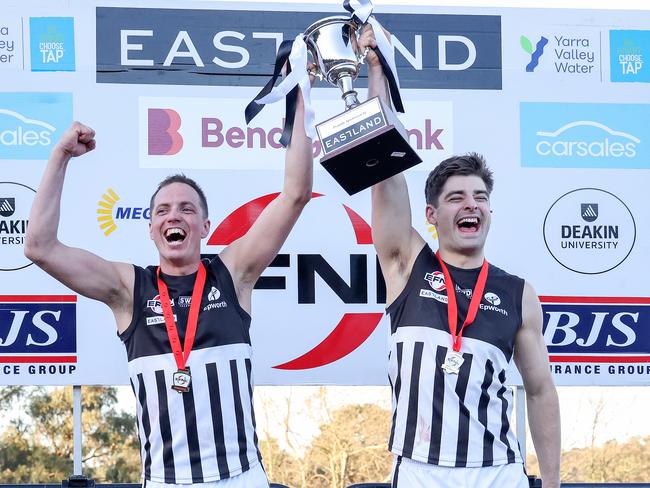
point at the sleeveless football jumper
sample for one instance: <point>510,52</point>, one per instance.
<point>456,420</point>
<point>206,434</point>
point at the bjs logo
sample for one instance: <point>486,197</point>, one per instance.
<point>596,325</point>
<point>238,47</point>
<point>37,325</point>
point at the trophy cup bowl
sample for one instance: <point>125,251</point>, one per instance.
<point>366,143</point>
<point>332,42</point>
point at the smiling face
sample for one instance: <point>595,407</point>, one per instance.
<point>177,226</point>
<point>462,216</point>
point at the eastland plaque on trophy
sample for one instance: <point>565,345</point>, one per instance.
<point>366,143</point>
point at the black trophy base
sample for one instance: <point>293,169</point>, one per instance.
<point>370,159</point>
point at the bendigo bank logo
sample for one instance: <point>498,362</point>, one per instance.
<point>163,125</point>
<point>352,317</point>
<point>39,329</point>
<point>199,133</point>
<point>597,330</point>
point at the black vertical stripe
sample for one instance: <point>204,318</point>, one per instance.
<point>249,368</point>
<point>396,390</point>
<point>192,436</point>
<point>437,406</point>
<point>505,423</point>
<point>165,428</point>
<point>146,426</point>
<point>412,412</point>
<point>462,444</point>
<point>396,473</point>
<point>217,419</point>
<point>488,437</point>
<point>239,415</point>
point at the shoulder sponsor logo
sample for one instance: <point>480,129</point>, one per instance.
<point>237,47</point>
<point>589,238</point>
<point>109,213</point>
<point>30,123</point>
<point>155,306</point>
<point>11,43</point>
<point>585,135</point>
<point>213,297</point>
<point>629,51</point>
<point>492,298</point>
<point>38,329</point>
<point>15,203</point>
<point>168,129</point>
<point>597,335</point>
<point>52,43</point>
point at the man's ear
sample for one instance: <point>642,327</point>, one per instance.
<point>206,229</point>
<point>150,231</point>
<point>431,214</point>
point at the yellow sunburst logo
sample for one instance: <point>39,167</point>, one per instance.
<point>105,211</point>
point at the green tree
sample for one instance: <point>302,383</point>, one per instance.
<point>40,450</point>
<point>351,448</point>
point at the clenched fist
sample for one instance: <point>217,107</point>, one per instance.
<point>77,140</point>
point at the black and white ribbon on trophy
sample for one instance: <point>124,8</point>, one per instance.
<point>363,14</point>
<point>294,54</point>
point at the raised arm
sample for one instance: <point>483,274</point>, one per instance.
<point>396,241</point>
<point>248,256</point>
<point>531,358</point>
<point>80,270</point>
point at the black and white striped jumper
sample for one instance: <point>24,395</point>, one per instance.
<point>447,419</point>
<point>207,434</point>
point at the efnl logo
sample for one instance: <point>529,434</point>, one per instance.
<point>535,54</point>
<point>584,135</point>
<point>109,214</point>
<point>52,43</point>
<point>629,51</point>
<point>31,123</point>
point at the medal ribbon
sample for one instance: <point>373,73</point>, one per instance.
<point>181,355</point>
<point>452,309</point>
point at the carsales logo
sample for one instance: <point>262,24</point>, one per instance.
<point>196,133</point>
<point>321,303</point>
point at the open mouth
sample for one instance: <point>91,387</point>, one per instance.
<point>174,235</point>
<point>469,224</point>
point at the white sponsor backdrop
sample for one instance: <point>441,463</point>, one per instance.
<point>286,325</point>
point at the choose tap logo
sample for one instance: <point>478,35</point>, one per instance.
<point>584,135</point>
<point>629,52</point>
<point>52,43</point>
<point>31,123</point>
<point>589,231</point>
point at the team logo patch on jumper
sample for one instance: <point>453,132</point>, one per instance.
<point>492,298</point>
<point>213,298</point>
<point>436,280</point>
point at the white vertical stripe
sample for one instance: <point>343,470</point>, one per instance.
<point>178,427</point>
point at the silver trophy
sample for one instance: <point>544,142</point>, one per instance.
<point>367,143</point>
